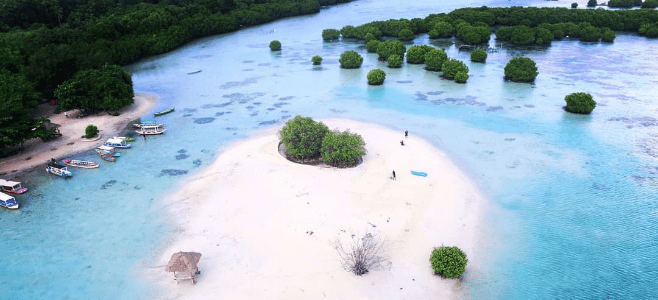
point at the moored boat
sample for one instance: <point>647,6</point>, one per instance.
<point>145,123</point>
<point>62,172</point>
<point>54,163</point>
<point>13,187</point>
<point>107,150</point>
<point>117,143</point>
<point>151,129</point>
<point>164,112</point>
<point>8,201</point>
<point>81,163</point>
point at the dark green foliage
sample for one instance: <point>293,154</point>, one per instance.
<point>385,49</point>
<point>574,5</point>
<point>394,61</point>
<point>461,77</point>
<point>523,35</point>
<point>443,30</point>
<point>452,66</point>
<point>91,131</point>
<point>652,32</point>
<point>591,3</point>
<point>650,4</point>
<point>448,262</point>
<point>330,34</point>
<point>589,33</point>
<point>637,2</point>
<point>421,25</point>
<point>473,34</point>
<point>478,55</point>
<point>303,137</point>
<point>434,59</point>
<point>108,88</point>
<point>342,149</point>
<point>416,54</point>
<point>406,35</point>
<point>521,69</point>
<point>275,45</point>
<point>350,60</point>
<point>369,37</point>
<point>372,45</point>
<point>608,35</point>
<point>376,77</point>
<point>621,3</point>
<point>17,99</point>
<point>580,103</point>
<point>433,34</point>
<point>348,31</point>
<point>316,60</point>
<point>544,36</point>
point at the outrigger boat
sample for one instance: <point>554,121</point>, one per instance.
<point>63,172</point>
<point>164,112</point>
<point>107,150</point>
<point>151,129</point>
<point>81,163</point>
<point>145,123</point>
<point>8,201</point>
<point>125,139</point>
<point>13,187</point>
<point>118,143</point>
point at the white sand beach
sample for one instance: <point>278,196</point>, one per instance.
<point>251,214</point>
<point>37,152</point>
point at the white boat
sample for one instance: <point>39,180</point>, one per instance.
<point>13,187</point>
<point>63,172</point>
<point>8,201</point>
<point>151,129</point>
<point>107,150</point>
<point>81,163</point>
<point>117,143</point>
<point>145,123</point>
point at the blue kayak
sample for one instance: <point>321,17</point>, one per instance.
<point>419,173</point>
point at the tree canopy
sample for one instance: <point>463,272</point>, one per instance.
<point>302,137</point>
<point>342,149</point>
<point>521,69</point>
<point>350,60</point>
<point>108,88</point>
<point>580,103</point>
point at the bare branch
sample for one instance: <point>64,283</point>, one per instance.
<point>365,254</point>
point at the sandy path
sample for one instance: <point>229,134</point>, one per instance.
<point>38,152</point>
<point>251,213</point>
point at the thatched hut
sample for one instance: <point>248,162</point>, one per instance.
<point>184,265</point>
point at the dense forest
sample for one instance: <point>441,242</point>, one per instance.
<point>45,43</point>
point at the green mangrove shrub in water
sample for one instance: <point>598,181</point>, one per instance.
<point>385,49</point>
<point>434,59</point>
<point>330,34</point>
<point>342,149</point>
<point>442,30</point>
<point>580,103</point>
<point>448,262</point>
<point>348,31</point>
<point>372,45</point>
<point>369,37</point>
<point>452,66</point>
<point>275,45</point>
<point>416,54</point>
<point>406,35</point>
<point>316,60</point>
<point>350,60</point>
<point>521,69</point>
<point>376,77</point>
<point>478,55</point>
<point>302,138</point>
<point>461,77</point>
<point>394,61</point>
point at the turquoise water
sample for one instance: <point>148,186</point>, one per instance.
<point>574,212</point>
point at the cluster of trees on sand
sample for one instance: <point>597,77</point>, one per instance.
<point>308,141</point>
<point>47,43</point>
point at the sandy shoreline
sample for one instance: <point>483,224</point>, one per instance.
<point>251,214</point>
<point>37,152</point>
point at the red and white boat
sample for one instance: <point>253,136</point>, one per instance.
<point>13,187</point>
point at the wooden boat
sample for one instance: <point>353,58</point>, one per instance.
<point>81,163</point>
<point>63,172</point>
<point>144,123</point>
<point>118,143</point>
<point>107,150</point>
<point>107,157</point>
<point>8,201</point>
<point>13,187</point>
<point>195,72</point>
<point>151,129</point>
<point>164,112</point>
<point>125,139</point>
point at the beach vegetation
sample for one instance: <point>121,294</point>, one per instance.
<point>416,54</point>
<point>350,60</point>
<point>406,35</point>
<point>376,77</point>
<point>591,3</point>
<point>574,5</point>
<point>461,77</point>
<point>18,98</point>
<point>107,88</point>
<point>369,37</point>
<point>302,138</point>
<point>330,34</point>
<point>347,32</point>
<point>387,48</point>
<point>395,61</point>
<point>362,254</point>
<point>434,59</point>
<point>316,60</point>
<point>650,4</point>
<point>449,262</point>
<point>580,103</point>
<point>521,69</point>
<point>342,149</point>
<point>451,67</point>
<point>275,45</point>
<point>443,30</point>
<point>621,3</point>
<point>371,46</point>
<point>91,131</point>
<point>479,55</point>
<point>608,35</point>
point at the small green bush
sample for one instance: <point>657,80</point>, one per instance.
<point>434,34</point>
<point>91,131</point>
<point>394,61</point>
<point>479,55</point>
<point>348,31</point>
<point>443,30</point>
<point>376,77</point>
<point>416,54</point>
<point>574,5</point>
<point>608,35</point>
<point>342,149</point>
<point>451,67</point>
<point>461,77</point>
<point>350,60</point>
<point>521,69</point>
<point>371,46</point>
<point>316,60</point>
<point>302,137</point>
<point>385,49</point>
<point>330,34</point>
<point>591,3</point>
<point>406,35</point>
<point>448,262</point>
<point>369,37</point>
<point>580,103</point>
<point>275,45</point>
<point>434,59</point>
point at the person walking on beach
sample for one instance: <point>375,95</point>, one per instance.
<point>402,143</point>
<point>394,178</point>
<point>406,133</point>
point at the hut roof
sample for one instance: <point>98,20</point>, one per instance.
<point>50,126</point>
<point>183,262</point>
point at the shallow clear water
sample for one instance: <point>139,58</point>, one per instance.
<point>574,210</point>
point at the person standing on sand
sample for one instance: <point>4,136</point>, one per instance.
<point>406,133</point>
<point>394,175</point>
<point>402,143</point>
<point>66,114</point>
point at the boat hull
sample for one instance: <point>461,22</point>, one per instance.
<point>81,164</point>
<point>19,191</point>
<point>13,206</point>
<point>59,172</point>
